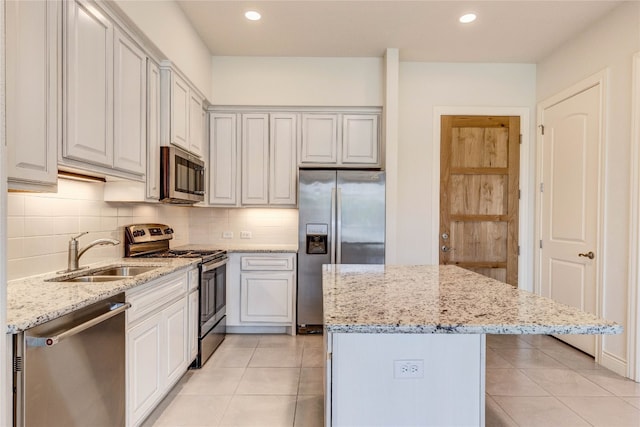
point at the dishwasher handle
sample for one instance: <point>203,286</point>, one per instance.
<point>116,309</point>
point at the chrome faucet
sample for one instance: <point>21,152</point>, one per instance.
<point>75,254</point>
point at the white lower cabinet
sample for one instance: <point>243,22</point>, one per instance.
<point>194,318</point>
<point>158,342</point>
<point>266,297</point>
<point>261,289</point>
<point>144,385</point>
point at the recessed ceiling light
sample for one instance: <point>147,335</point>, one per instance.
<point>467,18</point>
<point>252,15</point>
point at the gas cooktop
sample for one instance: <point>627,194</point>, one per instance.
<point>152,241</point>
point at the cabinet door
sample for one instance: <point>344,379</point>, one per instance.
<point>195,124</point>
<point>153,130</point>
<point>223,160</point>
<point>360,138</point>
<point>180,104</point>
<point>130,105</point>
<point>88,61</point>
<point>282,170</point>
<point>266,297</point>
<point>193,326</point>
<point>144,368</point>
<point>255,159</point>
<point>319,138</point>
<point>176,339</point>
<point>32,103</point>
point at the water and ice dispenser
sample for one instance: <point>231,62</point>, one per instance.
<point>317,238</point>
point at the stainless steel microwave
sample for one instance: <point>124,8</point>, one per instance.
<point>181,177</point>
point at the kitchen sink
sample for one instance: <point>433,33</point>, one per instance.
<point>109,274</point>
<point>94,279</point>
<point>125,270</point>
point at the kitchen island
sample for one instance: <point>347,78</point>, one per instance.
<point>406,344</point>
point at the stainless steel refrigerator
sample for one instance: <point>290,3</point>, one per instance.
<point>341,221</point>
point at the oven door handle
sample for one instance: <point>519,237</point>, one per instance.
<point>213,266</point>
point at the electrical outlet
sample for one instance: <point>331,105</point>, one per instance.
<point>227,234</point>
<point>245,234</point>
<point>403,369</point>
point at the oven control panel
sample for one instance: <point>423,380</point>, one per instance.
<point>140,233</point>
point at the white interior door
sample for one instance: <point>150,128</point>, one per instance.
<point>569,205</point>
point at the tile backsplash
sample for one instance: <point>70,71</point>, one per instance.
<point>39,226</point>
<point>267,226</point>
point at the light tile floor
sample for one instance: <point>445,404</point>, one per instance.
<point>276,380</point>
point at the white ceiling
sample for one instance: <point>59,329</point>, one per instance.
<point>505,31</point>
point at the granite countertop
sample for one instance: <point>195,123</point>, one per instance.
<point>35,300</point>
<point>442,299</point>
<point>244,247</point>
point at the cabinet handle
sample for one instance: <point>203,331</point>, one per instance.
<point>55,339</point>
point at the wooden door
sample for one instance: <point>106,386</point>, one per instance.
<point>479,191</point>
<point>569,205</point>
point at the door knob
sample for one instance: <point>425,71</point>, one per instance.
<point>445,248</point>
<point>589,255</point>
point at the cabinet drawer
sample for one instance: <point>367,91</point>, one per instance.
<point>154,295</point>
<point>258,263</point>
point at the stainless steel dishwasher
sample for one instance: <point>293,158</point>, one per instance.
<point>71,371</point>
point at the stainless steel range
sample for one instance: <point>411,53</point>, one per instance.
<point>152,241</point>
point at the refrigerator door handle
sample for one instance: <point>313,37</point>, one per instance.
<point>332,234</point>
<point>339,228</point>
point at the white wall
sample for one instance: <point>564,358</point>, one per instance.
<point>424,86</point>
<point>168,27</point>
<point>609,44</point>
<point>6,379</point>
<point>297,81</point>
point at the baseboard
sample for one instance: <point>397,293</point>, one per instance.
<point>614,363</point>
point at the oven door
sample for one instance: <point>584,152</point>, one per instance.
<point>213,294</point>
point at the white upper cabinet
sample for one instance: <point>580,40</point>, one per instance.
<point>130,105</point>
<point>360,139</point>
<point>255,159</point>
<point>196,124</point>
<point>283,171</point>
<point>33,115</point>
<point>319,138</point>
<point>223,160</point>
<point>88,82</point>
<point>153,131</point>
<point>179,112</point>
<point>182,108</point>
<point>347,140</point>
<point>104,127</point>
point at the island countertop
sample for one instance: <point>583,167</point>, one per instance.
<point>442,299</point>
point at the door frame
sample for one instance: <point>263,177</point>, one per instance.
<point>633,313</point>
<point>525,224</point>
<point>599,80</point>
